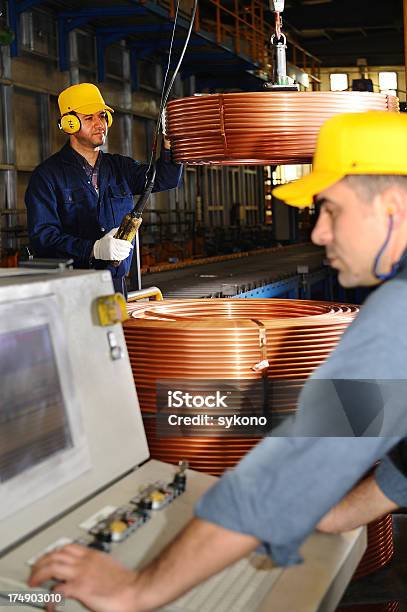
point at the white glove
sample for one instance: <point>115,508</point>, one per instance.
<point>111,249</point>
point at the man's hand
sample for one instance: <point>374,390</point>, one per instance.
<point>363,504</point>
<point>109,248</point>
<point>98,581</point>
<point>101,584</point>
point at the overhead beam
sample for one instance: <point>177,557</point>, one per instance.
<point>109,35</point>
<point>71,20</point>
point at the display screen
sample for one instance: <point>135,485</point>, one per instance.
<point>34,423</point>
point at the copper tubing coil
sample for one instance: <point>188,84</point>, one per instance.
<point>380,547</point>
<point>208,339</point>
<point>210,455</point>
<point>259,127</point>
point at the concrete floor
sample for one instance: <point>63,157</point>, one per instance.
<point>388,584</point>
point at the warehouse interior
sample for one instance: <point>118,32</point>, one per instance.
<point>219,246</point>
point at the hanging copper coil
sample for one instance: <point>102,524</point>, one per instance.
<point>219,340</point>
<point>259,127</point>
<point>390,606</point>
<point>380,547</point>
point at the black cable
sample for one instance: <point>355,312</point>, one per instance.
<point>151,169</point>
<point>191,25</point>
<point>161,107</point>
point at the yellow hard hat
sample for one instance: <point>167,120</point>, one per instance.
<point>353,143</point>
<point>84,98</point>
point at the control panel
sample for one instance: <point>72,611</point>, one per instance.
<point>111,525</point>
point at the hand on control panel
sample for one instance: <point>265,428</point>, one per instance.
<point>94,578</point>
<point>97,580</point>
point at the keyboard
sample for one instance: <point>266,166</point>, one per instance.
<point>238,588</point>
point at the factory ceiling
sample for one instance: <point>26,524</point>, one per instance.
<point>340,31</point>
<point>337,32</point>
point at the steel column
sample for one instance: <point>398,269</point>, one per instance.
<point>65,36</point>
<point>73,58</point>
<point>44,125</point>
<point>127,123</point>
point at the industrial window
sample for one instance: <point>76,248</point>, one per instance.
<point>339,82</point>
<point>22,184</point>
<point>3,13</point>
<point>139,139</point>
<point>290,172</point>
<point>39,33</point>
<point>388,82</point>
<point>115,136</point>
<point>87,76</point>
<point>190,189</point>
<point>27,123</point>
<point>16,223</point>
<point>114,61</point>
<point>212,195</point>
<point>150,75</point>
<point>85,44</point>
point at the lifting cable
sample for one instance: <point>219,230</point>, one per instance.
<point>165,92</point>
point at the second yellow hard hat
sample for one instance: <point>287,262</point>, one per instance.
<point>353,143</point>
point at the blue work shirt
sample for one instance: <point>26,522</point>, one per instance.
<point>66,215</point>
<point>285,485</point>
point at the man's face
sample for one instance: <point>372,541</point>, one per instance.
<point>352,231</point>
<point>93,130</point>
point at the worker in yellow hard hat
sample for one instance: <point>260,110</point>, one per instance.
<point>78,197</point>
<point>351,411</point>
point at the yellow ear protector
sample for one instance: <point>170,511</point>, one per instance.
<point>71,124</point>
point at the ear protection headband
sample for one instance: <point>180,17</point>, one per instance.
<point>71,124</point>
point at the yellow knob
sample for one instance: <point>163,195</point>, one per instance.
<point>111,309</point>
<point>118,526</point>
<point>157,496</point>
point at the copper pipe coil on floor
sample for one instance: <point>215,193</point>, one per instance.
<point>201,340</point>
<point>259,127</point>
<point>380,547</point>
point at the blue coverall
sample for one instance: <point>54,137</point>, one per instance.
<point>66,215</point>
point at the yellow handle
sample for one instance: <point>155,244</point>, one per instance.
<point>127,231</point>
<point>148,292</point>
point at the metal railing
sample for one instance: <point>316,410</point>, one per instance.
<point>247,31</point>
